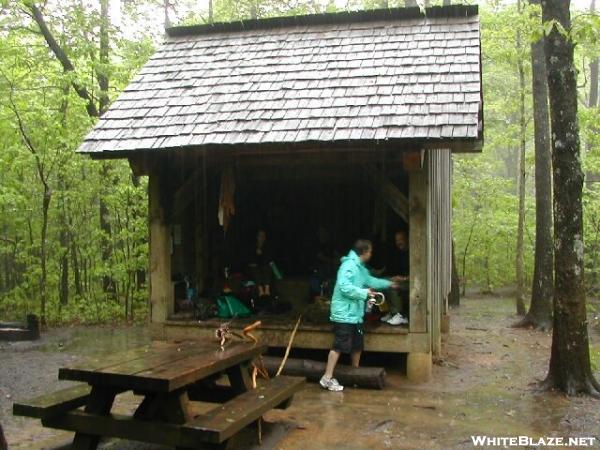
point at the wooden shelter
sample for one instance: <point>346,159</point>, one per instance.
<point>350,117</point>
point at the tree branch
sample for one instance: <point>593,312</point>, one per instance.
<point>63,59</point>
<point>28,143</point>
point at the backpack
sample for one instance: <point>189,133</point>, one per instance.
<point>229,306</point>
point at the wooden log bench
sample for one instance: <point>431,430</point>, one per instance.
<point>17,331</point>
<point>164,416</point>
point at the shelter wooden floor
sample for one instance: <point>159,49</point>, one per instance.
<point>275,331</point>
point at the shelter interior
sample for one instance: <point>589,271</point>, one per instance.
<point>303,201</point>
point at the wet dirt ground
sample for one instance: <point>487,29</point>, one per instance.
<point>484,384</point>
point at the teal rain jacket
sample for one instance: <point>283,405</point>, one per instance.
<point>351,289</point>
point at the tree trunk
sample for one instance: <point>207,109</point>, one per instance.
<point>569,368</point>
<point>454,297</point>
<point>3,444</point>
<point>539,315</point>
<point>102,72</point>
<point>520,265</point>
<point>593,98</point>
<point>43,281</point>
<point>464,258</point>
<point>108,284</point>
<point>64,269</point>
<point>166,6</point>
<point>63,292</point>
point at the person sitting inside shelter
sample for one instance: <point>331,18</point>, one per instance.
<point>353,288</point>
<point>397,265</point>
<point>260,264</point>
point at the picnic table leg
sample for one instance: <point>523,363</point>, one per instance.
<point>100,402</point>
<point>171,407</point>
<point>239,378</point>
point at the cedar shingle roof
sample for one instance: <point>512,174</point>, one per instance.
<point>376,76</point>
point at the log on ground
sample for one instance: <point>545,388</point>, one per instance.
<point>365,377</point>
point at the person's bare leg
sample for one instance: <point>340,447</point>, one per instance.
<point>261,291</point>
<point>355,357</point>
<point>332,360</point>
<point>267,290</point>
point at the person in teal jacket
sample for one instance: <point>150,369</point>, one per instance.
<point>353,288</point>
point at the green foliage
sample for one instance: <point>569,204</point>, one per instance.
<point>485,186</point>
<point>485,200</point>
<point>43,122</point>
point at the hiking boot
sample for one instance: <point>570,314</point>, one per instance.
<point>387,317</point>
<point>398,319</point>
<point>331,384</point>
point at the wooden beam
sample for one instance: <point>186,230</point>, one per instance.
<point>161,290</point>
<point>388,190</point>
<point>418,238</point>
<point>188,191</point>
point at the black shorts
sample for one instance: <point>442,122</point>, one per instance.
<point>348,337</point>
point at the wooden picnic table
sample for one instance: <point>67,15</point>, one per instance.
<point>169,376</point>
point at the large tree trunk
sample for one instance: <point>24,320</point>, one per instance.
<point>539,315</point>
<point>520,264</point>
<point>569,369</point>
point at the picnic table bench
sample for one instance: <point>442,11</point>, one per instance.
<point>169,376</point>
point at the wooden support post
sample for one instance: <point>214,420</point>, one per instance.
<point>418,236</point>
<point>161,289</point>
<point>418,367</point>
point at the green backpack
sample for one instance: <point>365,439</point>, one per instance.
<point>229,306</point>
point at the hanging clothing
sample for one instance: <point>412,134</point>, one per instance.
<point>226,198</point>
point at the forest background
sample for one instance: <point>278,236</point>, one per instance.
<point>73,232</point>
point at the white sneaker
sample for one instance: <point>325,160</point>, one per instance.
<point>387,317</point>
<point>331,384</point>
<point>398,319</point>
